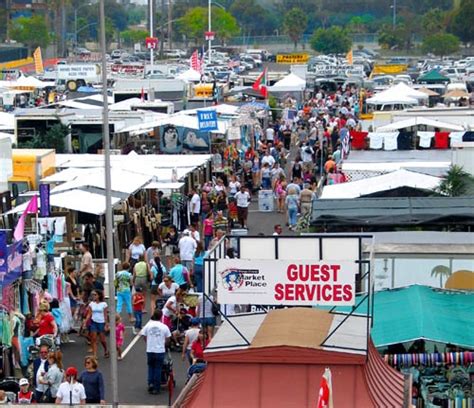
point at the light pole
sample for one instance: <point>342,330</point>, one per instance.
<point>108,213</point>
<point>151,31</point>
<point>394,16</point>
<point>75,22</point>
<point>209,27</point>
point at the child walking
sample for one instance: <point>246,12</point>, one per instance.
<point>119,335</point>
<point>138,303</point>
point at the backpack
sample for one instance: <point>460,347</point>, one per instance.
<point>159,275</point>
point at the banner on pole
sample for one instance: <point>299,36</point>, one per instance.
<point>302,58</point>
<point>3,253</point>
<point>14,264</point>
<point>44,200</point>
<point>280,282</point>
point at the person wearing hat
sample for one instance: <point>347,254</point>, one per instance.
<point>24,396</point>
<point>190,336</point>
<point>71,391</point>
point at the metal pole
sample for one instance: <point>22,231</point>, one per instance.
<point>170,24</point>
<point>209,28</point>
<point>75,30</point>
<point>108,213</point>
<point>394,22</point>
<point>151,33</point>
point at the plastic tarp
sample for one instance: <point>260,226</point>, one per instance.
<point>289,83</point>
<point>421,312</point>
<point>389,181</point>
<point>417,121</point>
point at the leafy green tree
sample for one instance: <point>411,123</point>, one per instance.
<point>357,25</point>
<point>250,15</point>
<point>295,23</point>
<point>54,138</point>
<point>194,23</point>
<point>399,37</point>
<point>331,40</point>
<point>136,14</point>
<point>441,44</point>
<point>434,21</point>
<point>31,31</point>
<point>130,37</point>
<point>456,182</point>
<point>462,22</point>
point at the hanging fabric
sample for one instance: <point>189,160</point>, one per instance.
<point>441,140</point>
<point>390,141</point>
<point>375,141</point>
<point>425,139</point>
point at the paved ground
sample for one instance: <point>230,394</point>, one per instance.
<point>132,370</point>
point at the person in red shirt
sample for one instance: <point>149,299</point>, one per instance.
<point>138,304</point>
<point>197,349</point>
<point>45,322</point>
<point>24,396</point>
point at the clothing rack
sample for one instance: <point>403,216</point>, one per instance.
<point>429,359</point>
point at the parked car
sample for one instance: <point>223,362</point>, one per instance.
<point>117,54</point>
<point>81,51</point>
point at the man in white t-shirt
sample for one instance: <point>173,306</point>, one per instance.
<point>156,335</point>
<point>270,134</point>
<point>195,207</point>
<point>242,199</point>
<point>71,392</point>
<point>268,158</point>
<point>187,247</point>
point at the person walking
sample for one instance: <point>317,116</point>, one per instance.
<point>97,312</point>
<point>71,392</point>
<point>243,201</point>
<point>306,200</point>
<point>141,275</point>
<point>138,307</point>
<point>53,378</point>
<point>135,251</point>
<point>195,207</point>
<point>123,284</point>
<point>156,336</point>
<point>208,229</point>
<point>187,247</point>
<point>93,381</point>
<point>292,207</point>
<point>86,260</point>
<point>158,272</point>
<point>40,368</point>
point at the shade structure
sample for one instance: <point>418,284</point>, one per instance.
<point>421,312</point>
<point>428,92</point>
<point>433,77</point>
<point>420,120</point>
<point>290,83</point>
<point>389,181</point>
<point>31,81</point>
<point>76,200</point>
<point>456,93</point>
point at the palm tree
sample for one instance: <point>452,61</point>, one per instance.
<point>440,270</point>
<point>455,183</point>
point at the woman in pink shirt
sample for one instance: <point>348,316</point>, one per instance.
<point>208,225</point>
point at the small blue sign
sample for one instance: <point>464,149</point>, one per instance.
<point>207,120</point>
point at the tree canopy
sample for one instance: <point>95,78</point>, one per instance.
<point>294,23</point>
<point>31,31</point>
<point>441,44</point>
<point>331,40</point>
<point>461,24</point>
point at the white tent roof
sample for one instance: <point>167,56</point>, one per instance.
<point>404,89</point>
<point>156,161</point>
<point>419,120</point>
<point>125,105</point>
<point>30,81</point>
<point>157,185</point>
<point>390,98</point>
<point>77,200</point>
<point>189,75</point>
<point>389,181</point>
<point>289,83</point>
<point>7,120</point>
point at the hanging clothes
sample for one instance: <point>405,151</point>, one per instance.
<point>404,140</point>
<point>390,141</point>
<point>358,140</point>
<point>375,141</point>
<point>468,137</point>
<point>425,139</point>
<point>441,140</point>
<point>455,137</point>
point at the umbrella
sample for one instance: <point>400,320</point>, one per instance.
<point>456,93</point>
<point>428,92</point>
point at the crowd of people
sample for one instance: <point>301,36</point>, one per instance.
<point>291,158</point>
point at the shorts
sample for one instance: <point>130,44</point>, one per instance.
<point>208,321</point>
<point>97,327</point>
<point>194,218</point>
<point>154,289</point>
<point>73,302</point>
<point>141,282</point>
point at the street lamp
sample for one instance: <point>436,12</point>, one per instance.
<point>394,16</point>
<point>209,25</point>
<point>75,22</point>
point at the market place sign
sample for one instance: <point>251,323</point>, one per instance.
<point>339,70</point>
<point>301,58</point>
<point>291,283</point>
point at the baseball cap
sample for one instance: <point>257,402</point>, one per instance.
<point>24,381</point>
<point>71,372</point>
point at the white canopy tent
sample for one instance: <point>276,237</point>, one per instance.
<point>420,120</point>
<point>389,97</point>
<point>289,83</point>
<point>404,89</point>
<point>77,200</point>
<point>32,82</point>
<point>389,181</point>
<point>7,121</point>
<point>190,75</point>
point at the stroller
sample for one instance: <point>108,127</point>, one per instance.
<point>167,376</point>
<point>11,388</point>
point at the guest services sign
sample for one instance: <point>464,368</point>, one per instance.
<point>279,282</point>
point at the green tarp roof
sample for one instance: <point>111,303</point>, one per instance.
<point>433,76</point>
<point>422,312</point>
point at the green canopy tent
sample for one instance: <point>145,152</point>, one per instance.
<point>433,77</point>
<point>421,312</point>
